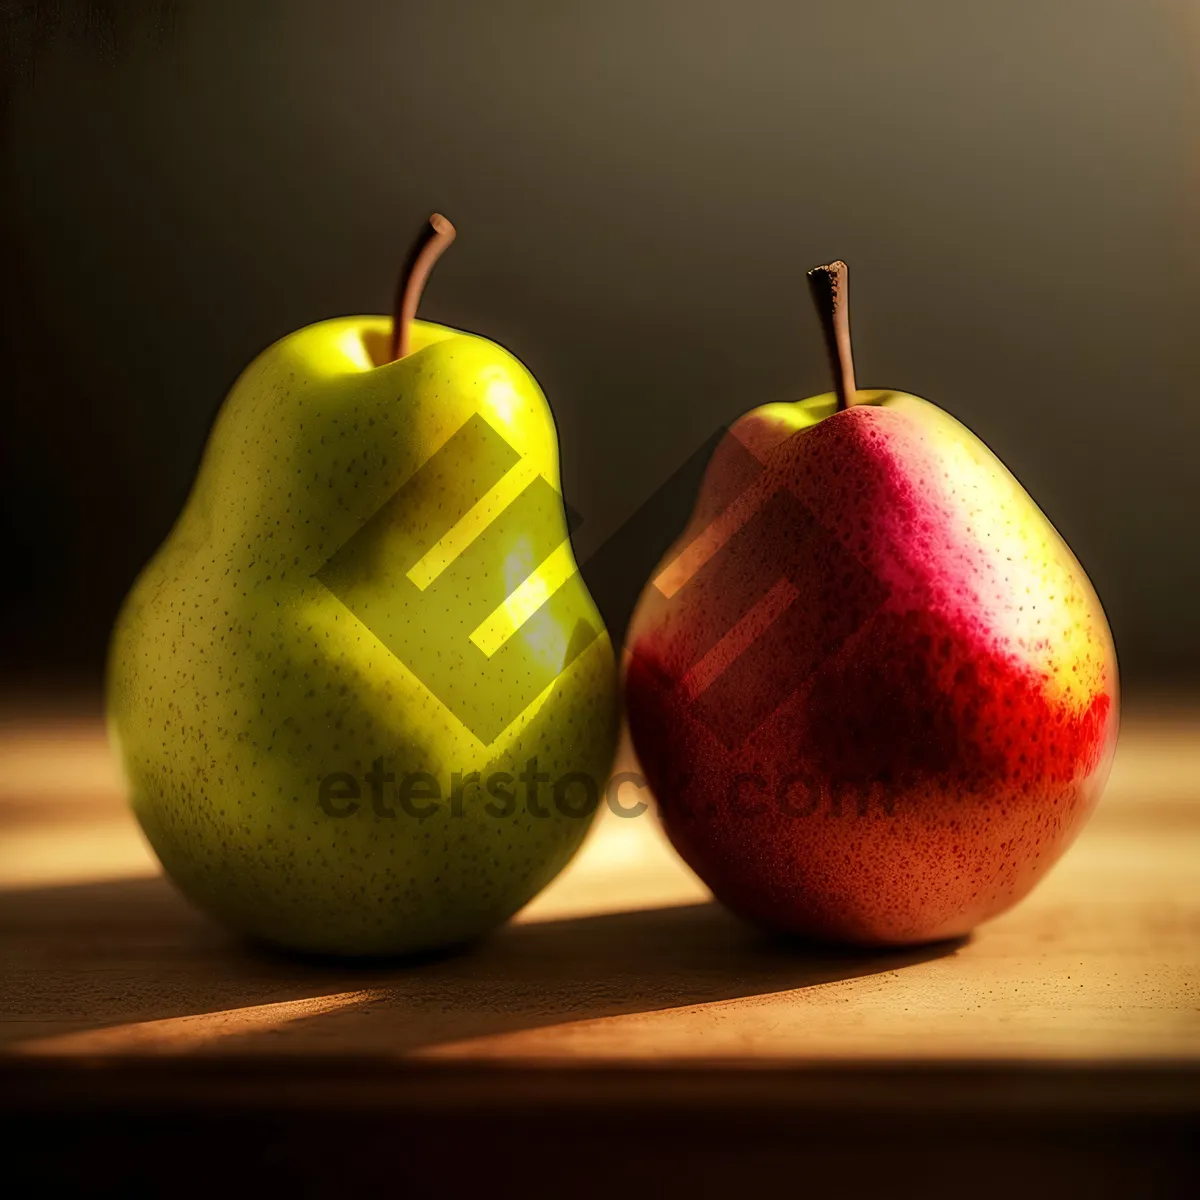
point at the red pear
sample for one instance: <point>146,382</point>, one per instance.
<point>872,689</point>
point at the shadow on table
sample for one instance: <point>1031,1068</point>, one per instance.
<point>108,957</point>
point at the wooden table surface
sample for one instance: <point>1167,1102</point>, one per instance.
<point>622,985</point>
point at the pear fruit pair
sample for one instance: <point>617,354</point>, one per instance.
<point>366,706</point>
<point>362,698</point>
<point>871,688</point>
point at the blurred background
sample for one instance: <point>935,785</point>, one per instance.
<point>639,188</point>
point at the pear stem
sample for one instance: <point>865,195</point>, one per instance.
<point>829,293</point>
<point>426,250</point>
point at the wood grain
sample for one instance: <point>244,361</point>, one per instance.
<point>622,1021</point>
<point>624,959</point>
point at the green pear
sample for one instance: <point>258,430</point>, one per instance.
<point>362,698</point>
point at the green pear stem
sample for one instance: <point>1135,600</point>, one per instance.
<point>829,293</point>
<point>426,250</point>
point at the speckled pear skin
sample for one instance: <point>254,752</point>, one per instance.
<point>881,696</point>
<point>237,680</point>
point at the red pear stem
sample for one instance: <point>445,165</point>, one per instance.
<point>828,287</point>
<point>426,250</point>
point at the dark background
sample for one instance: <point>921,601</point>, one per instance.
<point>639,188</point>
